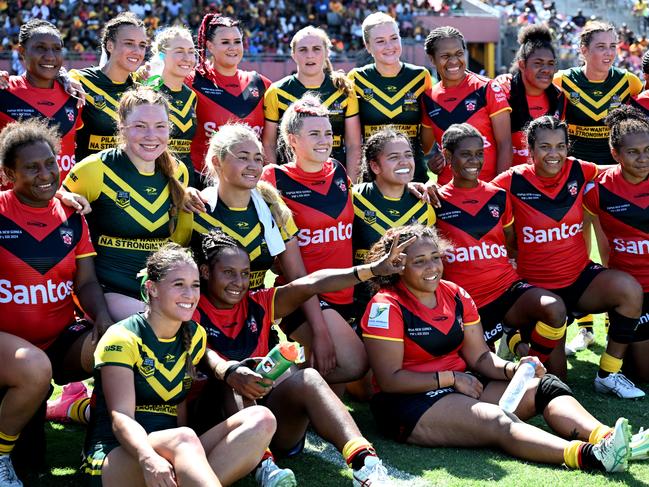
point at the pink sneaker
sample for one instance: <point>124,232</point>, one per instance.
<point>57,409</point>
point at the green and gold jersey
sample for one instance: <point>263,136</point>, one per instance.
<point>160,378</point>
<point>129,218</point>
<point>393,101</point>
<point>243,225</point>
<point>99,115</point>
<point>375,214</point>
<point>182,115</point>
<point>588,105</point>
<point>282,93</point>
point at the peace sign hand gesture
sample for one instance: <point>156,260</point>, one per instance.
<point>394,261</point>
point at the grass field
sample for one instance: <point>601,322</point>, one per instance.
<point>416,466</point>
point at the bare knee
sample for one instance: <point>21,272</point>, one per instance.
<point>185,438</point>
<point>553,311</point>
<point>629,295</point>
<point>261,420</point>
<point>33,369</point>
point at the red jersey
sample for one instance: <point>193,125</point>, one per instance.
<point>242,331</point>
<point>549,221</point>
<point>22,101</point>
<point>38,251</point>
<point>623,210</point>
<point>322,208</point>
<point>473,219</point>
<point>222,99</point>
<point>432,338</point>
<point>475,101</point>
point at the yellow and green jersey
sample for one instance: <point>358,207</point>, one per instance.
<point>129,218</point>
<point>393,101</point>
<point>282,93</point>
<point>99,115</point>
<point>243,225</point>
<point>160,380</point>
<point>588,104</point>
<point>182,115</point>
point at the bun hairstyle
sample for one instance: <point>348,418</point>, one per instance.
<point>623,121</point>
<point>532,38</point>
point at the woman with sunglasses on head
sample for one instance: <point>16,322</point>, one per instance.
<point>388,89</point>
<point>463,96</point>
<point>477,217</point>
<point>144,368</point>
<point>310,49</point>
<point>123,45</point>
<point>425,343</point>
<point>135,192</point>
<point>225,92</point>
<point>552,253</point>
<point>317,191</point>
<point>46,256</point>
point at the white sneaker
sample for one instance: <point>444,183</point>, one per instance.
<point>613,450</point>
<point>581,341</point>
<point>8,477</point>
<point>619,385</point>
<point>372,474</point>
<point>268,474</point>
<point>640,445</point>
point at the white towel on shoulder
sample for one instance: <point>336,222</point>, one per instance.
<point>272,235</point>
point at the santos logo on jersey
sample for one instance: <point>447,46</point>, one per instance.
<point>50,292</point>
<point>559,233</point>
<point>476,252</point>
<point>638,247</point>
<point>330,234</point>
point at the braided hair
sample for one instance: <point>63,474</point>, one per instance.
<point>441,33</point>
<point>375,145</point>
<point>456,133</point>
<point>113,25</point>
<point>293,119</point>
<point>210,23</point>
<point>36,26</point>
<point>158,266</point>
<point>545,122</point>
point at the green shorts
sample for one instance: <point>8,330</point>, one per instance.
<point>94,462</point>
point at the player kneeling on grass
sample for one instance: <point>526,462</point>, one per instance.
<point>144,367</point>
<point>238,324</point>
<point>438,383</point>
<point>46,254</point>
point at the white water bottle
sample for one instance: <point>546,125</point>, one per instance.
<point>157,65</point>
<point>517,387</point>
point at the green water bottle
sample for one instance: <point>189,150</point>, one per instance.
<point>278,360</point>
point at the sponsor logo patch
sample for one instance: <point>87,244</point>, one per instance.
<point>379,316</point>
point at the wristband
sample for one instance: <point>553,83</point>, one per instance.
<point>505,370</point>
<point>356,275</point>
<point>372,270</point>
<point>231,369</point>
<point>448,381</point>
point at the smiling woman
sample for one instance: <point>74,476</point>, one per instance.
<point>123,45</point>
<point>135,192</point>
<point>36,94</point>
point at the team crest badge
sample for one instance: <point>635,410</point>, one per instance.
<point>573,188</point>
<point>252,324</point>
<point>99,101</point>
<point>341,184</point>
<point>368,94</point>
<point>615,103</point>
<point>494,210</point>
<point>369,217</point>
<point>575,98</point>
<point>123,199</point>
<point>147,368</point>
<point>67,234</point>
<point>470,105</point>
<point>70,113</point>
<point>254,92</point>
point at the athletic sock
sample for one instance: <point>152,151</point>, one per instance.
<point>544,338</point>
<point>599,432</point>
<point>609,365</point>
<point>513,341</point>
<point>585,322</point>
<point>607,322</point>
<point>7,443</point>
<point>77,410</point>
<point>356,450</point>
<point>579,454</point>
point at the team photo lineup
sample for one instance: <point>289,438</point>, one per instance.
<point>204,270</point>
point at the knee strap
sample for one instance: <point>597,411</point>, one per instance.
<point>622,328</point>
<point>549,388</point>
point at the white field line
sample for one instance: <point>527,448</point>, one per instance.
<point>324,450</point>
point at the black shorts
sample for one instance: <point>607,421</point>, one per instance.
<point>293,321</point>
<point>642,332</point>
<point>125,292</point>
<point>396,415</point>
<point>493,314</point>
<point>572,294</point>
<point>57,351</point>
